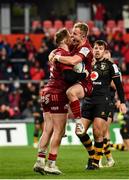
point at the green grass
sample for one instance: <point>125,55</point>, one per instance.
<point>17,163</point>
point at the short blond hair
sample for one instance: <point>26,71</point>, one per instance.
<point>83,27</point>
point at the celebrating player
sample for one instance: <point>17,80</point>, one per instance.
<point>81,52</point>
<point>55,107</point>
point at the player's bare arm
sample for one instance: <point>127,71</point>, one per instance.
<point>70,60</point>
<point>123,108</point>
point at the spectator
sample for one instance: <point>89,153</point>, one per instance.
<point>4,112</point>
<point>99,12</point>
<point>16,113</point>
<point>4,61</point>
<point>6,45</point>
<point>36,72</point>
<point>42,57</point>
<point>19,56</point>
<point>117,56</point>
<point>29,45</point>
<point>14,98</point>
<point>96,34</point>
<point>38,29</point>
<point>4,95</point>
<point>28,95</point>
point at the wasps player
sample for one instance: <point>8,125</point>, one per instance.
<point>96,108</point>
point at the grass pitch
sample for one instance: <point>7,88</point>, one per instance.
<point>17,163</point>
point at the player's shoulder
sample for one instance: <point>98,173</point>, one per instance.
<point>108,62</point>
<point>112,64</point>
<point>87,46</point>
<point>62,52</point>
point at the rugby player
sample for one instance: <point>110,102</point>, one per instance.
<point>55,107</point>
<point>81,52</point>
<point>96,108</point>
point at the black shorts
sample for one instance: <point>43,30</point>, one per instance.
<point>111,109</point>
<point>124,133</point>
<point>92,110</point>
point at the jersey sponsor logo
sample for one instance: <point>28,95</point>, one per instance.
<point>103,66</point>
<point>94,75</point>
<point>97,83</point>
<point>84,51</point>
<point>55,108</point>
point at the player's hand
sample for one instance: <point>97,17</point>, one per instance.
<point>56,58</point>
<point>51,56</point>
<point>117,104</point>
<point>123,108</point>
<point>93,61</point>
<point>87,73</point>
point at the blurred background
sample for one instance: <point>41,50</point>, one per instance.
<point>27,31</point>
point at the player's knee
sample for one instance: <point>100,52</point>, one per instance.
<point>98,136</point>
<point>80,130</point>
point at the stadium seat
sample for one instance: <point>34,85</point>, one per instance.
<point>96,31</point>
<point>68,24</point>
<point>126,90</point>
<point>125,78</point>
<point>58,24</point>
<point>111,24</point>
<point>120,24</point>
<point>91,24</point>
<point>35,24</point>
<point>125,81</point>
<point>47,24</point>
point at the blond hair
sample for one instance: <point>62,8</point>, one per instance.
<point>83,28</point>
